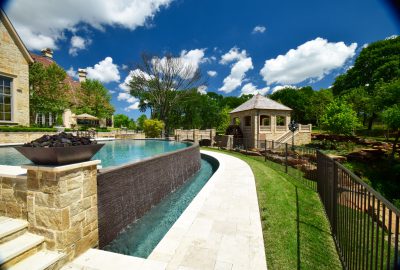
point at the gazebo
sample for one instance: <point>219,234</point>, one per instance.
<point>261,118</point>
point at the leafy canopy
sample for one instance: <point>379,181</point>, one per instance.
<point>122,120</point>
<point>340,118</point>
<point>48,90</point>
<point>94,99</point>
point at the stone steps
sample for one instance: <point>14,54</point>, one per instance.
<point>40,261</point>
<point>11,228</point>
<point>15,250</point>
<point>20,249</point>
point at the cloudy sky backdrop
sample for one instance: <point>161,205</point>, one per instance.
<point>242,47</point>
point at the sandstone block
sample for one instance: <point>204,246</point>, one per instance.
<point>52,218</point>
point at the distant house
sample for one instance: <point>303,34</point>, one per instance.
<point>14,75</point>
<point>261,119</point>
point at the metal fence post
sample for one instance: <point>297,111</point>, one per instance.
<point>286,158</point>
<point>265,153</point>
<point>334,197</point>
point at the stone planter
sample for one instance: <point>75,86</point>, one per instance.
<point>59,155</point>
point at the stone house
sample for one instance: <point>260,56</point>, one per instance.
<point>14,75</point>
<point>261,118</point>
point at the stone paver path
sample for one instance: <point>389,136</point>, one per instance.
<point>220,229</point>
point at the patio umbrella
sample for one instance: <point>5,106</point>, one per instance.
<point>86,116</point>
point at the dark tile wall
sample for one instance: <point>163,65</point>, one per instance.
<point>128,192</point>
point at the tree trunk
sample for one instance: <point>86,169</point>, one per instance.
<point>394,148</point>
<point>371,121</point>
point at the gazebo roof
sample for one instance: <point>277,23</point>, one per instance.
<point>260,102</point>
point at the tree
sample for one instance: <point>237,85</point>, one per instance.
<point>340,118</point>
<point>153,128</point>
<point>160,83</point>
<point>378,63</point>
<point>317,105</point>
<point>140,121</point>
<point>296,99</point>
<point>94,99</point>
<point>122,120</point>
<point>48,91</point>
<point>391,117</point>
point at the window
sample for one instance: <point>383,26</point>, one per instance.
<point>236,121</point>
<point>5,99</point>
<point>247,121</point>
<point>265,120</point>
<point>280,120</point>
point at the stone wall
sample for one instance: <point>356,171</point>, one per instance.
<point>13,197</point>
<point>126,193</point>
<point>14,65</point>
<point>302,138</point>
<point>62,206</point>
<point>21,137</point>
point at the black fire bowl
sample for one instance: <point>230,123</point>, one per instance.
<point>59,155</point>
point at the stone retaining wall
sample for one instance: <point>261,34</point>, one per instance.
<point>21,137</point>
<point>126,193</point>
<point>13,197</point>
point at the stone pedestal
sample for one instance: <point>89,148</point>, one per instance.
<point>62,206</point>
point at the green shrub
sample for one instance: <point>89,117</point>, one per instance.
<point>25,129</point>
<point>153,128</point>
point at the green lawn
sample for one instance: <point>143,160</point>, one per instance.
<point>296,231</point>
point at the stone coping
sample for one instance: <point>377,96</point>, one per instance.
<point>12,171</point>
<point>61,168</point>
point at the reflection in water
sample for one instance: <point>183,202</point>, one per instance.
<point>113,153</point>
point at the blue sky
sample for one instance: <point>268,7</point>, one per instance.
<point>241,46</point>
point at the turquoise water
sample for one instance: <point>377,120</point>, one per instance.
<point>113,153</point>
<point>141,237</point>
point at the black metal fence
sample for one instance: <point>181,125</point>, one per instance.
<point>364,224</point>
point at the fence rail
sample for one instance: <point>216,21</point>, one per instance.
<point>364,224</point>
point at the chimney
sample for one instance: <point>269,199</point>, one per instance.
<point>47,52</point>
<point>82,75</point>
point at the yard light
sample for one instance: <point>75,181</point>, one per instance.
<point>293,126</point>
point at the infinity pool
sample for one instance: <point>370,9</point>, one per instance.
<point>141,237</point>
<point>113,153</point>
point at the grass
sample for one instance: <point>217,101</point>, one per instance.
<point>296,231</point>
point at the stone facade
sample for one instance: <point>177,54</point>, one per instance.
<point>13,194</point>
<point>14,64</point>
<point>62,206</point>
<point>195,135</point>
<point>21,137</point>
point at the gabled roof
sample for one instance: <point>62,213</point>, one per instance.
<point>14,35</point>
<point>261,103</point>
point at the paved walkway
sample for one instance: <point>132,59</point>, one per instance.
<point>220,229</point>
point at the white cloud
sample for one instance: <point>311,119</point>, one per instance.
<point>124,67</point>
<point>134,106</point>
<point>311,60</point>
<point>134,102</point>
<point>78,43</point>
<point>72,72</point>
<point>242,64</point>
<point>56,17</point>
<point>105,71</point>
<point>251,89</point>
<point>259,29</point>
<point>280,87</point>
<point>192,58</point>
<point>212,73</point>
<point>391,37</point>
<point>137,72</point>
<point>202,89</point>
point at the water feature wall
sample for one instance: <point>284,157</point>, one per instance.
<point>126,193</point>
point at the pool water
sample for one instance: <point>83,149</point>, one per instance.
<point>113,153</point>
<point>141,237</point>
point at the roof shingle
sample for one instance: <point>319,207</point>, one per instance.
<point>261,103</point>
